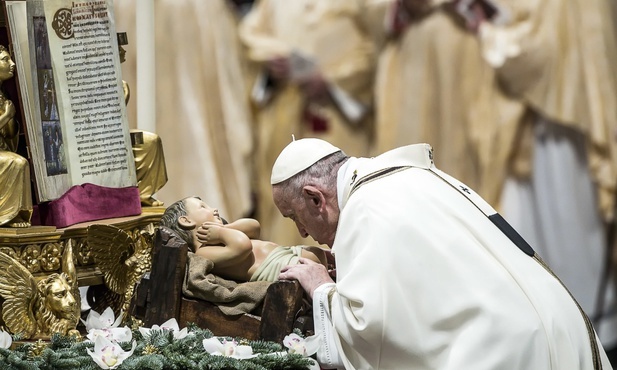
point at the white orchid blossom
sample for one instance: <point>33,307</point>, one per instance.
<point>295,344</point>
<point>228,348</point>
<point>107,354</point>
<point>299,345</point>
<point>117,335</point>
<point>5,339</point>
<point>105,320</point>
<point>171,325</point>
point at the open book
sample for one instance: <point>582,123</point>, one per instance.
<point>70,83</point>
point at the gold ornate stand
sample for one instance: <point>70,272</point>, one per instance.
<point>40,248</point>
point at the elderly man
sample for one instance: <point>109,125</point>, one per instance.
<point>429,276</point>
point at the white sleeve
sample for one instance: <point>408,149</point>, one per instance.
<point>324,343</point>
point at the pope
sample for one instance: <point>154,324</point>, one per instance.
<point>428,275</point>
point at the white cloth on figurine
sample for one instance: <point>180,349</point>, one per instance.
<point>280,257</point>
<point>426,281</point>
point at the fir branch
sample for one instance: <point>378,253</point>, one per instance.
<point>159,351</point>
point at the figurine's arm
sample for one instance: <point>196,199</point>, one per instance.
<point>236,245</point>
<point>248,226</point>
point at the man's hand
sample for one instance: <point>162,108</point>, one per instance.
<point>209,233</point>
<point>311,275</point>
<point>474,12</point>
<point>278,68</point>
<point>314,88</point>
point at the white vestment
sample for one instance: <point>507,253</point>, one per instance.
<point>555,210</point>
<point>558,57</point>
<point>426,281</point>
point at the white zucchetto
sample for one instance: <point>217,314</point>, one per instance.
<point>298,156</point>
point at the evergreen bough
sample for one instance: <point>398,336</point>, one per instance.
<point>160,351</point>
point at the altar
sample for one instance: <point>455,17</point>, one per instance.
<point>41,249</point>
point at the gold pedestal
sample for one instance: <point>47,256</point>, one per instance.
<point>41,251</point>
<point>39,248</point>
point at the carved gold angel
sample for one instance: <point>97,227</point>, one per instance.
<point>122,260</point>
<point>37,309</point>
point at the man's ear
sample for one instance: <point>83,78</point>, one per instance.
<point>185,222</point>
<point>314,197</point>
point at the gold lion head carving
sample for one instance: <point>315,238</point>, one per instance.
<point>38,309</point>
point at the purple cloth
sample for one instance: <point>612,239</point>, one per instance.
<point>88,202</point>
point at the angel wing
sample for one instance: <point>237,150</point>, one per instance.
<point>18,288</point>
<point>111,248</point>
<point>100,297</point>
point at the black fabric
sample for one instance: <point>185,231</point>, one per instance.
<point>516,238</point>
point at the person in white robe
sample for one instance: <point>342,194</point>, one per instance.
<point>433,86</point>
<point>428,275</point>
<point>316,66</point>
<point>560,59</point>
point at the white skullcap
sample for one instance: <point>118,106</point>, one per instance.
<point>298,156</point>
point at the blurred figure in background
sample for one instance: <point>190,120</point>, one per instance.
<point>559,59</point>
<point>202,107</point>
<point>316,73</point>
<point>434,87</point>
<point>519,100</point>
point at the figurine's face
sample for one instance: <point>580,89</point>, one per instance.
<point>59,298</point>
<point>7,66</point>
<point>199,212</point>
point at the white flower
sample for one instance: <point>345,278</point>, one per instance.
<point>103,321</point>
<point>107,354</point>
<point>114,334</point>
<point>228,348</point>
<point>5,339</point>
<point>295,344</point>
<point>171,325</point>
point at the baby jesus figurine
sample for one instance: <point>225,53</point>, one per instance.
<point>234,248</point>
